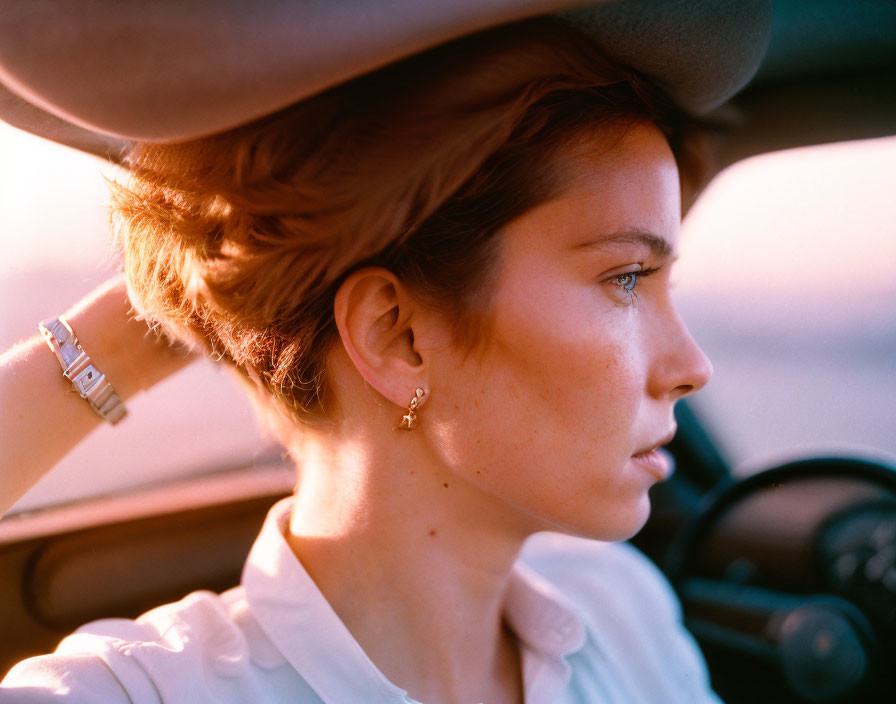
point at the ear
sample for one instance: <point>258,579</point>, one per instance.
<point>375,316</point>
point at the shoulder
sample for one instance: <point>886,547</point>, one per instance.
<point>618,573</point>
<point>84,677</point>
<point>202,638</point>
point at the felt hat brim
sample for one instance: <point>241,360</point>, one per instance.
<point>99,74</point>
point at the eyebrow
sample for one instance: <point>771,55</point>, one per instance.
<point>658,246</point>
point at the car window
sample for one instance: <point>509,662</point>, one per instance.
<point>787,280</point>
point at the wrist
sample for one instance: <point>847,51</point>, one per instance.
<point>123,348</point>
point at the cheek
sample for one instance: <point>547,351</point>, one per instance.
<point>550,443</point>
<point>542,422</point>
<point>547,388</point>
<point>583,367</point>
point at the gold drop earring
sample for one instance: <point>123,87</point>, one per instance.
<point>409,419</point>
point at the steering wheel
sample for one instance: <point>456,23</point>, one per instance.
<point>788,582</point>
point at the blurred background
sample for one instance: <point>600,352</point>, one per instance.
<point>787,279</point>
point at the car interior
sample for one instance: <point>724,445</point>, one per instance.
<point>787,577</point>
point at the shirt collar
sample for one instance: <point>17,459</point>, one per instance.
<point>300,622</point>
<point>540,615</point>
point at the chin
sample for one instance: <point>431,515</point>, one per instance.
<point>612,525</point>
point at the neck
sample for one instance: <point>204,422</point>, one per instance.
<point>415,564</point>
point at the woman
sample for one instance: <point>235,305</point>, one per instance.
<point>446,286</point>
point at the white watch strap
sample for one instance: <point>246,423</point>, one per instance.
<point>90,383</point>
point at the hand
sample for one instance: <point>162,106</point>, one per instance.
<point>131,355</point>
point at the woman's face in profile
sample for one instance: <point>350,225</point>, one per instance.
<point>586,354</point>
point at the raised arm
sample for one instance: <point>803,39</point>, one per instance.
<point>41,417</point>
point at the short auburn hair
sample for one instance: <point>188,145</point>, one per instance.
<point>238,242</point>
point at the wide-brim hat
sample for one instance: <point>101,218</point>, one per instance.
<point>98,74</point>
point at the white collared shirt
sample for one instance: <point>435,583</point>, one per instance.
<point>597,623</point>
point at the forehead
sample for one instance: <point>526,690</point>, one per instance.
<point>611,181</point>
<point>620,164</point>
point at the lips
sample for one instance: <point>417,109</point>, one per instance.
<point>665,440</point>
<point>658,462</point>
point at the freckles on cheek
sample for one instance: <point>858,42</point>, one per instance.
<point>622,364</point>
<point>618,367</point>
<point>563,350</point>
<point>608,385</point>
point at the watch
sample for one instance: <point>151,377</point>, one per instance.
<point>77,367</point>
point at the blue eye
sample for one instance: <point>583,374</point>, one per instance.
<point>630,283</point>
<point>627,281</point>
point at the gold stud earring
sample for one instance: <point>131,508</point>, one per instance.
<point>409,419</point>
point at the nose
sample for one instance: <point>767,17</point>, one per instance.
<point>680,367</point>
